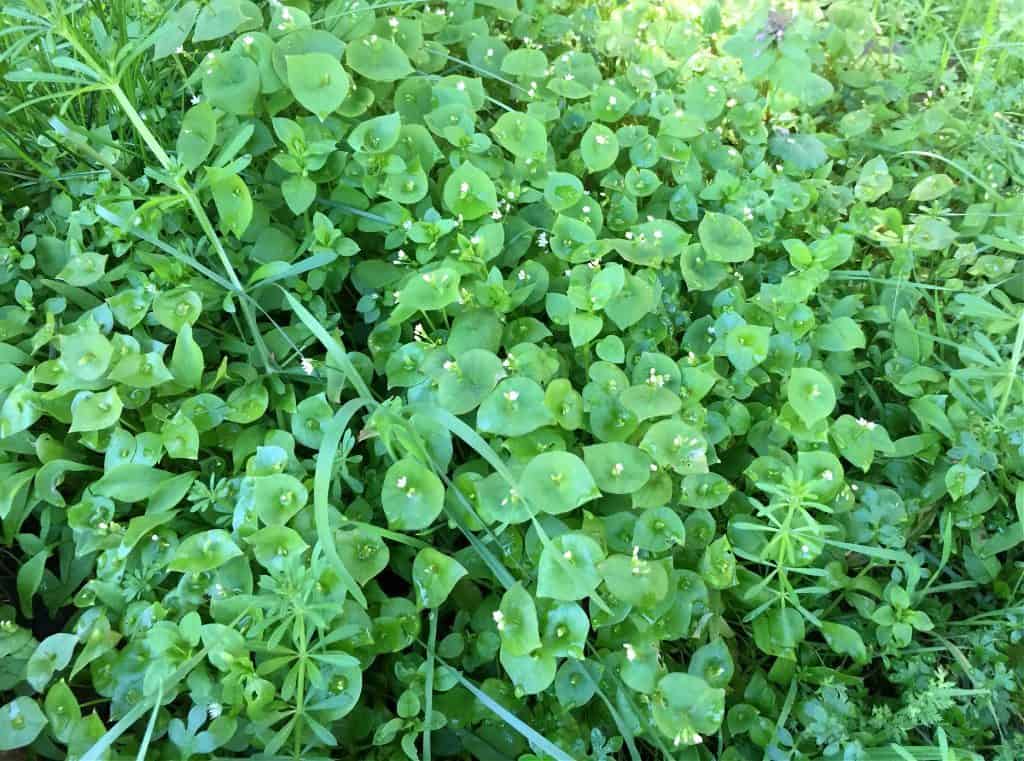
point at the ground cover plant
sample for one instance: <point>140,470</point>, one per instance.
<point>512,380</point>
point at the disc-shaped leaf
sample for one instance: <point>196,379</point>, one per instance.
<point>599,147</point>
<point>231,82</point>
<point>811,394</point>
<point>86,355</point>
<point>568,567</point>
<point>204,552</point>
<point>318,82</point>
<point>377,58</point>
<point>557,482</point>
<point>52,654</point>
<point>724,238</point>
<point>520,134</point>
<point>434,575</point>
<point>412,497</point>
<point>465,383</point>
<point>687,708</point>
<point>21,721</point>
<point>95,410</point>
<point>516,620</point>
<point>516,407</point>
<point>469,192</point>
<point>278,497</point>
<point>618,468</point>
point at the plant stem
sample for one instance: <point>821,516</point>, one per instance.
<point>428,688</point>
<point>182,186</point>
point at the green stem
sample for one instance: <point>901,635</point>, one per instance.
<point>300,690</point>
<point>1015,360</point>
<point>428,688</point>
<point>200,213</point>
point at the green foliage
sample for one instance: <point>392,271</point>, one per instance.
<point>512,380</point>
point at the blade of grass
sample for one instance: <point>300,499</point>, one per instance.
<point>333,432</point>
<point>336,352</point>
<point>148,737</point>
<point>517,725</point>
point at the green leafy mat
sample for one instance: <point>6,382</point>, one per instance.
<point>512,380</point>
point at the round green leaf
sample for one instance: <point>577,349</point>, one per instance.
<point>21,721</point>
<point>469,192</point>
<point>568,567</point>
<point>516,621</point>
<point>516,407</point>
<point>95,410</point>
<point>86,355</point>
<point>618,468</point>
<point>278,497</point>
<point>599,147</point>
<point>724,238</point>
<point>318,82</point>
<point>231,82</point>
<point>557,482</point>
<point>686,708</point>
<point>465,383</point>
<point>204,551</point>
<point>378,58</point>
<point>520,134</point>
<point>811,394</point>
<point>412,496</point>
<point>52,655</point>
<point>434,575</point>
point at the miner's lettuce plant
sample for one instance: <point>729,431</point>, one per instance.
<point>511,380</point>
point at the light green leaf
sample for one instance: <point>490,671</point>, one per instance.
<point>724,238</point>
<point>318,82</point>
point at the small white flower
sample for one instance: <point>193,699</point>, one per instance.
<point>393,22</point>
<point>460,85</point>
<point>630,652</point>
<point>569,77</point>
<point>521,275</point>
<point>154,538</point>
<point>511,395</point>
<point>600,139</point>
<point>567,555</point>
<point>658,234</point>
<point>617,469</point>
<point>401,482</point>
<point>499,620</point>
<point>828,475</point>
<point>490,52</point>
<point>612,100</point>
<point>214,710</point>
<point>464,188</point>
<point>179,50</point>
<point>307,365</point>
<point>195,99</point>
<point>248,40</point>
<point>286,13</point>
